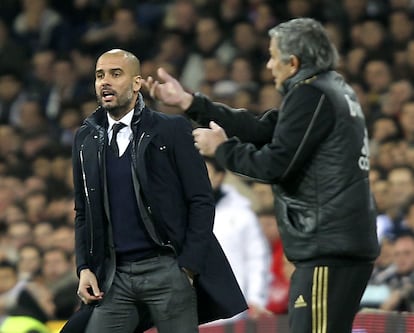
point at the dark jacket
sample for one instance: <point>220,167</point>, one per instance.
<point>314,151</point>
<point>174,184</point>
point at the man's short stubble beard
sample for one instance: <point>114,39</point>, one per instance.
<point>117,111</point>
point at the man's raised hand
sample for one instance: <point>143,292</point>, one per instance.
<point>168,90</point>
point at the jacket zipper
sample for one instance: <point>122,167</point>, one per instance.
<point>135,151</point>
<point>140,139</point>
<point>168,244</point>
<point>88,200</point>
<point>305,136</point>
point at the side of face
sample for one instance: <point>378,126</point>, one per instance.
<point>8,279</point>
<point>404,255</point>
<point>281,71</point>
<point>116,83</point>
<point>55,265</point>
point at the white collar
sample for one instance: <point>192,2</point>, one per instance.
<point>127,119</point>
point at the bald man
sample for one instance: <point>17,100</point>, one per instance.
<point>144,216</point>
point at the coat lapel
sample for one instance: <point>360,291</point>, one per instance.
<point>145,134</point>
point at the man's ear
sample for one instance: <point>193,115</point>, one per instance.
<point>294,64</point>
<point>137,83</point>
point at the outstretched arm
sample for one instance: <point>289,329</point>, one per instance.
<point>236,122</point>
<point>307,120</point>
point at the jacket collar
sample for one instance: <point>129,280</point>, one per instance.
<point>99,120</point>
<point>300,76</point>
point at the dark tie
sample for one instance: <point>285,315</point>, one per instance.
<point>113,144</point>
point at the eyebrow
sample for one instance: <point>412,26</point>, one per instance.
<point>110,70</point>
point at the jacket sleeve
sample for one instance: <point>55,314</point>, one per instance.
<point>198,197</point>
<point>79,197</point>
<point>305,121</point>
<point>236,122</point>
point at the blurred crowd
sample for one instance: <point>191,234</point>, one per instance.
<point>220,48</point>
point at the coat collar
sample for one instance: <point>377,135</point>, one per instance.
<point>300,76</point>
<point>99,120</point>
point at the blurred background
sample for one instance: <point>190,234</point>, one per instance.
<point>48,51</point>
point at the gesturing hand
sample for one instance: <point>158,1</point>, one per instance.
<point>169,91</point>
<point>208,139</point>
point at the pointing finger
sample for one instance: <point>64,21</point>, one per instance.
<point>163,75</point>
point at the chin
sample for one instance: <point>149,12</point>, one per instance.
<point>114,111</point>
<point>108,106</point>
<point>111,108</point>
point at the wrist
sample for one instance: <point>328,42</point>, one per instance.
<point>84,271</point>
<point>186,102</point>
<point>80,268</point>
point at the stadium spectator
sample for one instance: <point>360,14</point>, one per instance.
<point>59,276</point>
<point>18,298</point>
<point>123,32</point>
<point>378,290</point>
<point>12,95</point>
<point>65,88</point>
<point>38,27</point>
<point>401,188</point>
<point>406,120</point>
<point>29,262</point>
<point>246,41</point>
<point>182,16</point>
<point>401,283</point>
<point>12,55</point>
<point>278,300</point>
<point>235,223</point>
<point>43,235</point>
<point>210,41</point>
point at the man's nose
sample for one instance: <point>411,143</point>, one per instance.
<point>105,84</point>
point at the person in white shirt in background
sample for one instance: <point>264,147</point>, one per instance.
<point>239,233</point>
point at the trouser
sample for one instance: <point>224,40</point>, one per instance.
<point>325,298</point>
<point>155,287</point>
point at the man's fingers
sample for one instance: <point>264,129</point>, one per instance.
<point>164,76</point>
<point>199,131</point>
<point>147,82</point>
<point>85,297</point>
<point>153,89</point>
<point>213,125</point>
<point>81,297</point>
<point>95,290</point>
<point>151,85</point>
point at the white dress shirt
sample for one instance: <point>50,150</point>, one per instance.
<point>125,134</point>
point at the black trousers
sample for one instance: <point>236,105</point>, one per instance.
<point>324,298</point>
<point>154,287</point>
